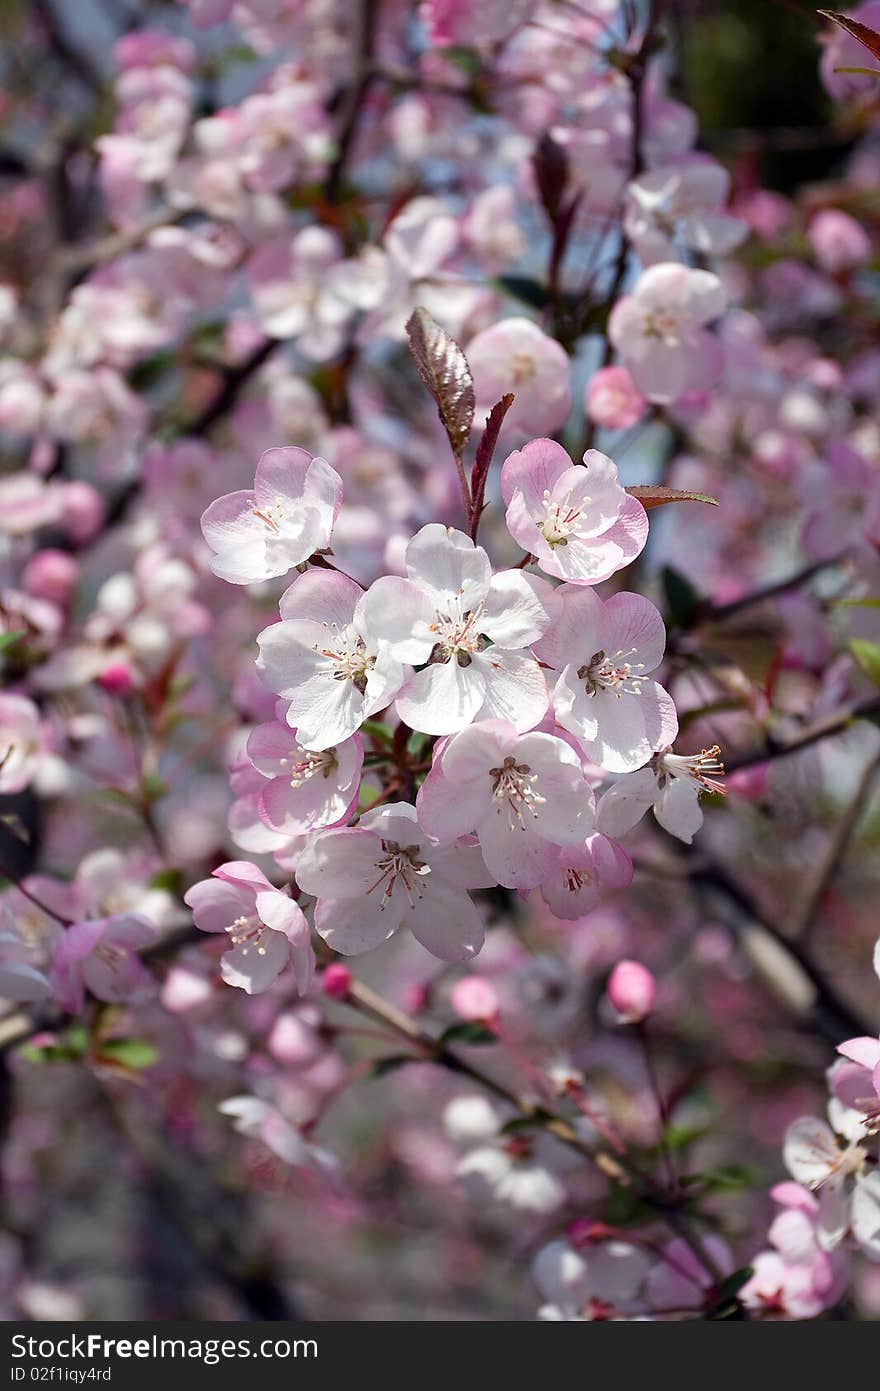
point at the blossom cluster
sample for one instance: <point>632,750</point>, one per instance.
<point>428,460</point>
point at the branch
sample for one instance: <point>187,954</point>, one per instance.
<point>823,729</point>
<point>717,612</point>
<point>364,74</point>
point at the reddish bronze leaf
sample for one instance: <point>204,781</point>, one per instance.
<point>483,461</point>
<point>444,369</point>
<point>658,497</point>
<point>869,37</point>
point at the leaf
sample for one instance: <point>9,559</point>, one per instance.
<point>9,639</point>
<point>443,368</point>
<point>485,451</point>
<point>167,879</point>
<point>856,603</point>
<point>470,1032</point>
<point>682,599</point>
<point>867,654</point>
<point>550,163</point>
<point>868,37</point>
<point>730,1288</point>
<point>132,1053</point>
<point>382,1066</point>
<point>538,1117</point>
<point>659,497</point>
<point>861,72</point>
<point>528,291</point>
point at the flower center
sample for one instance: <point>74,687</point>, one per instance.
<point>603,673</point>
<point>521,368</point>
<point>575,879</point>
<point>271,517</point>
<point>662,324</point>
<point>457,636</point>
<point>304,764</point>
<point>348,656</point>
<point>247,932</point>
<point>399,865</point>
<point>513,787</point>
<point>560,520</point>
<point>703,768</point>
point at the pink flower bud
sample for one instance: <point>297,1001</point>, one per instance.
<point>336,981</point>
<point>631,990</point>
<point>474,998</point>
<point>612,399</point>
<point>117,679</point>
<point>838,241</point>
<point>83,511</point>
<point>51,575</point>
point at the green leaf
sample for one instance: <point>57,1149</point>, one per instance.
<point>528,291</point>
<point>467,60</point>
<point>727,1178</point>
<point>382,1066</point>
<point>867,654</point>
<point>134,1053</point>
<point>377,730</point>
<point>730,1288</point>
<point>856,603</point>
<point>168,879</point>
<point>444,369</point>
<point>682,599</point>
<point>9,639</point>
<point>538,1118</point>
<point>679,1137</point>
<point>470,1031</point>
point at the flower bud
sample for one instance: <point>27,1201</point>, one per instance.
<point>336,981</point>
<point>51,575</point>
<point>631,990</point>
<point>474,998</point>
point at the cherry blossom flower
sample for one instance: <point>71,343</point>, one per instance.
<point>386,874</point>
<point>262,533</point>
<point>612,400</point>
<point>100,955</point>
<point>23,742</point>
<point>680,1280</point>
<point>470,627</point>
<point>326,659</point>
<point>512,1170</point>
<point>672,784</point>
<point>523,794</point>
<point>680,207</point>
<point>584,875</point>
<point>849,1192</point>
<point>20,979</point>
<point>267,931</point>
<point>599,1280</point>
<point>307,789</point>
<point>659,331</point>
<point>577,520</point>
<point>294,287</point>
<point>604,653</point>
<point>797,1277</point>
<point>515,355</point>
<point>260,1120</point>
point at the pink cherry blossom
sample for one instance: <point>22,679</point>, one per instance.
<point>516,355</point>
<point>604,654</point>
<point>839,242</point>
<point>99,955</point>
<point>260,534</point>
<point>468,629</point>
<point>22,742</point>
<point>267,931</point>
<point>306,789</point>
<point>326,659</point>
<point>584,875</point>
<point>612,400</point>
<point>659,331</point>
<point>577,520</point>
<point>672,785</point>
<point>600,1280</point>
<point>386,874</point>
<point>523,794</point>
<point>680,208</point>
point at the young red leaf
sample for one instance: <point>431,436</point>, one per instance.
<point>658,497</point>
<point>485,451</point>
<point>869,37</point>
<point>444,370</point>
